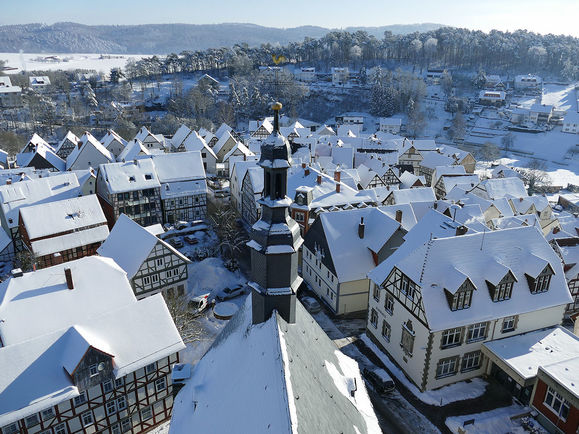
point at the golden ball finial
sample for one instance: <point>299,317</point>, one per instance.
<point>276,106</point>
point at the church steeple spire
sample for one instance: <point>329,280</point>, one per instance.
<point>275,238</point>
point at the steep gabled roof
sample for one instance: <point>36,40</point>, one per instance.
<point>88,142</point>
<point>133,149</point>
<point>126,233</point>
<point>524,251</point>
<point>130,176</point>
<point>44,152</point>
<point>287,378</point>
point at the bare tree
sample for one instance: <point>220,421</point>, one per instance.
<point>184,318</point>
<point>489,152</point>
<point>508,140</point>
<point>535,175</point>
<point>232,238</point>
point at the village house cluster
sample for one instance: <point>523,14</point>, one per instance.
<point>458,273</point>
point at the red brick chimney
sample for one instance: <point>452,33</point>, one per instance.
<point>8,181</point>
<point>337,175</point>
<point>399,215</point>
<point>319,179</point>
<point>68,275</point>
<point>307,171</point>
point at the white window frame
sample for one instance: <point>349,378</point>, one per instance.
<point>150,368</point>
<point>554,399</point>
<point>11,429</point>
<point>119,382</point>
<point>451,338</point>
<point>87,418</point>
<point>471,361</point>
<point>386,327</point>
<point>376,293</point>
<point>509,320</point>
<point>447,367</point>
<point>163,381</point>
<point>47,414</point>
<point>60,429</point>
<point>108,386</point>
<point>476,332</point>
<point>80,399</point>
<point>93,370</point>
<point>31,420</point>
<point>121,403</point>
<point>389,304</point>
<point>147,410</point>
<point>111,407</point>
<point>374,318</point>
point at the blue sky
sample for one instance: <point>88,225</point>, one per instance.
<point>543,16</point>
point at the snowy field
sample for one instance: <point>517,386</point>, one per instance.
<point>33,62</point>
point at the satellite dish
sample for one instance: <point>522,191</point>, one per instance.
<point>101,367</point>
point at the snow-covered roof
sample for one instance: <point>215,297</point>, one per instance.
<point>132,150</point>
<point>433,159</point>
<point>432,225</point>
<point>408,179</point>
<point>46,152</point>
<point>68,215</point>
<point>179,166</point>
<point>110,137</point>
<point>222,129</point>
<point>527,352</point>
<point>351,255</point>
<point>499,187</point>
<point>418,194</point>
<point>255,174</point>
<point>46,327</point>
<point>408,216</point>
<point>523,250</point>
<point>129,244</point>
<point>180,135</point>
<point>222,141</point>
<point>238,149</point>
<point>564,373</point>
<point>70,138</point>
<point>287,378</point>
<point>183,188</point>
<point>87,142</point>
<point>13,197</point>
<point>130,176</point>
<point>464,180</point>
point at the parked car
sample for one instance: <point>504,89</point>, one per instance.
<point>181,225</point>
<point>167,227</point>
<point>199,303</point>
<point>177,243</point>
<point>311,304</point>
<point>382,384</point>
<point>233,292</point>
<point>190,239</point>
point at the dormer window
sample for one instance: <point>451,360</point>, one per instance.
<point>542,281</point>
<point>148,176</point>
<point>462,298</point>
<point>504,289</point>
<point>132,179</point>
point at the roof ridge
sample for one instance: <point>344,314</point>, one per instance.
<point>428,245</point>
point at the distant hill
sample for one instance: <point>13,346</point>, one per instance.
<point>162,38</point>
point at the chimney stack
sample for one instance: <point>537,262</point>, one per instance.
<point>135,161</point>
<point>399,215</point>
<point>303,165</point>
<point>17,272</point>
<point>307,171</point>
<point>461,230</point>
<point>319,179</point>
<point>57,259</point>
<point>68,275</point>
<point>361,228</point>
<point>8,181</point>
<point>337,176</point>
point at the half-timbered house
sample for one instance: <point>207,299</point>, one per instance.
<point>113,143</point>
<point>66,145</point>
<point>81,355</point>
<point>89,153</point>
<point>339,250</point>
<point>194,142</point>
<point>14,196</point>
<point>150,141</point>
<point>63,230</point>
<point>435,301</point>
<point>130,188</point>
<point>183,186</point>
<point>151,264</point>
<point>251,192</point>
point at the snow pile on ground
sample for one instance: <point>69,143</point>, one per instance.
<point>210,275</point>
<point>459,391</point>
<point>494,421</point>
<point>161,429</point>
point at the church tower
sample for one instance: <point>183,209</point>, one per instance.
<point>275,238</point>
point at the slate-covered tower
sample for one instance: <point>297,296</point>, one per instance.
<point>275,238</point>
